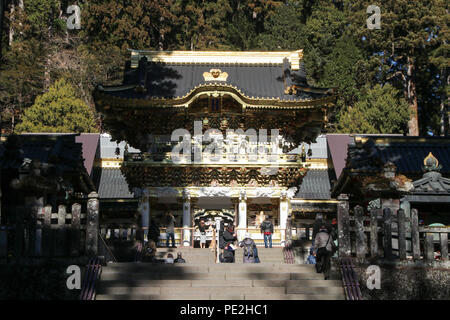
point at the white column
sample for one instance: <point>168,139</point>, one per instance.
<point>284,208</point>
<point>217,220</point>
<point>242,215</point>
<point>144,210</point>
<point>186,218</point>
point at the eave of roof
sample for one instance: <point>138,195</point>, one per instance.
<point>107,94</point>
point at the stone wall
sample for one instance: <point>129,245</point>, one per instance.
<point>407,280</point>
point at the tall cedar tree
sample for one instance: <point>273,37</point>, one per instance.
<point>410,30</point>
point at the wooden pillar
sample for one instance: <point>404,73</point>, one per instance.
<point>360,236</point>
<point>374,232</point>
<point>444,245</point>
<point>75,235</point>
<point>92,217</point>
<point>387,233</point>
<point>401,234</point>
<point>415,234</point>
<point>343,226</point>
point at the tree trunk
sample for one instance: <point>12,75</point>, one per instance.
<point>11,29</point>
<point>411,96</point>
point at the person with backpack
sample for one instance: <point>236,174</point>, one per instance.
<point>179,259</point>
<point>267,230</point>
<point>249,249</point>
<point>323,250</point>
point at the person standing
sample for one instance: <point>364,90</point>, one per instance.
<point>202,230</point>
<point>267,230</point>
<point>170,230</point>
<point>229,237</point>
<point>323,250</point>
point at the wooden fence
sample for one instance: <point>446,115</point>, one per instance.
<point>389,235</point>
<point>52,234</point>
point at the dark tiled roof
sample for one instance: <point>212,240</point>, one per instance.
<point>111,184</point>
<point>169,80</point>
<point>315,185</point>
<point>432,183</point>
<point>61,149</point>
<point>407,153</point>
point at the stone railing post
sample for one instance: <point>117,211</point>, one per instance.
<point>360,235</point>
<point>387,233</point>
<point>343,226</point>
<point>374,232</point>
<point>401,222</point>
<point>415,234</point>
<point>75,230</point>
<point>92,217</point>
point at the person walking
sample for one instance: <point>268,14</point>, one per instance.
<point>170,230</point>
<point>323,250</point>
<point>267,230</point>
<point>249,246</point>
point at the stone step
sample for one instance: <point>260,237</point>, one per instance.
<point>221,289</point>
<point>210,276</point>
<point>220,267</point>
<point>224,296</point>
<point>220,283</point>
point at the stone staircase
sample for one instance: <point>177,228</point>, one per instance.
<point>202,279</point>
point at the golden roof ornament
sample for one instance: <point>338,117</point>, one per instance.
<point>215,75</point>
<point>431,163</point>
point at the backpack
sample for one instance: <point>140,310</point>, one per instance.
<point>248,250</point>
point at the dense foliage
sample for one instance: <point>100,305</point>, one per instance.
<point>376,72</point>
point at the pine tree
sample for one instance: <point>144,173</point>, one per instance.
<point>380,109</point>
<point>58,110</point>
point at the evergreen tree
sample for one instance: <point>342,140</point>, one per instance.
<point>410,30</point>
<point>380,109</point>
<point>58,110</point>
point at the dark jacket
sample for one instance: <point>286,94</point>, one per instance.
<point>228,237</point>
<point>267,226</point>
<point>179,260</point>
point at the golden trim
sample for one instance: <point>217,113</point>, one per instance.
<point>250,102</point>
<point>296,200</point>
<point>198,57</point>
